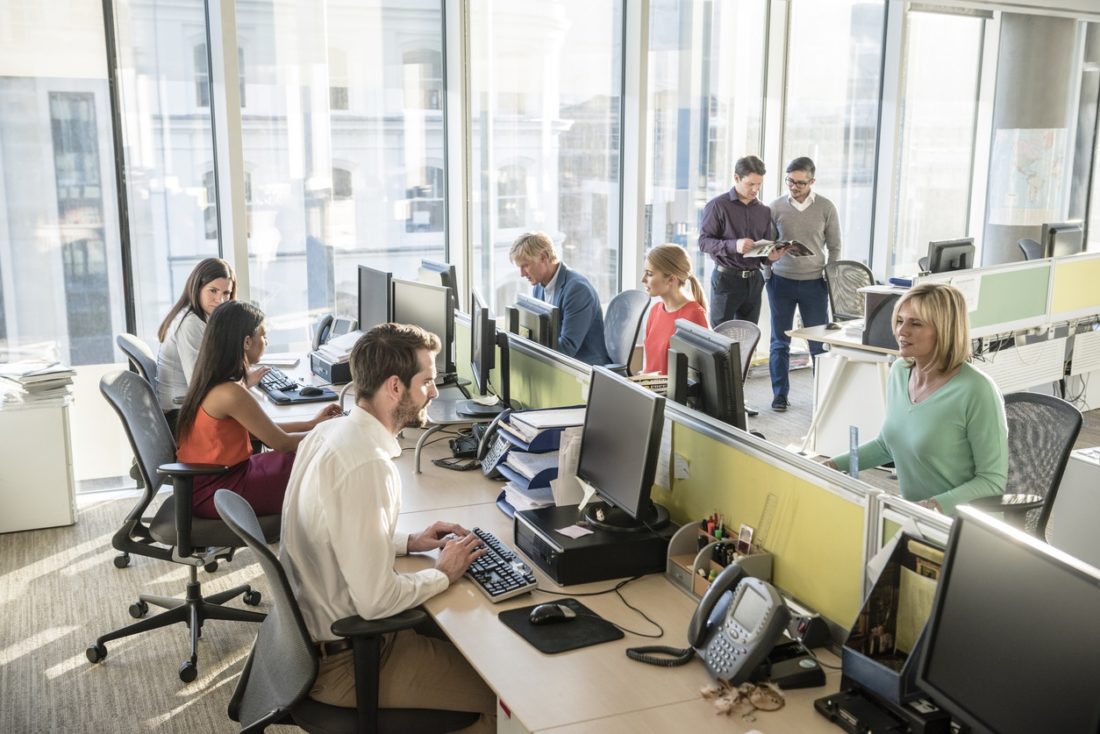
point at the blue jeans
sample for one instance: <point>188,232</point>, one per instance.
<point>811,297</point>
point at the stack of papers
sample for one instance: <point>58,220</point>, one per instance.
<point>529,424</point>
<point>37,380</point>
<point>528,499</point>
<point>528,465</point>
<point>338,349</point>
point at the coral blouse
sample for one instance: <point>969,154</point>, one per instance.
<point>215,441</point>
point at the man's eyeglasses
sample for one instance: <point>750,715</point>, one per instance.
<point>798,184</point>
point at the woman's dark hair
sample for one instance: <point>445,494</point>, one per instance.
<point>221,356</point>
<point>209,269</point>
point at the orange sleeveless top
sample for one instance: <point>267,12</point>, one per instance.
<point>215,441</point>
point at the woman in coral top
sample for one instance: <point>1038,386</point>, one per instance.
<point>667,271</point>
<point>219,416</point>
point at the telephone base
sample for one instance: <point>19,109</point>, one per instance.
<point>789,667</point>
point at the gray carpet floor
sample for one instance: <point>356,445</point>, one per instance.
<point>60,590</point>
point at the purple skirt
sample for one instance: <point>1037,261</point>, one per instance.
<point>261,480</point>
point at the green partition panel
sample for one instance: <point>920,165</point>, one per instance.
<point>816,535</point>
<point>1012,296</point>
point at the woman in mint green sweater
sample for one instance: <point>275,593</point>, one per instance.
<point>945,427</point>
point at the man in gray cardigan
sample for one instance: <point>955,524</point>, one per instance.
<point>798,282</point>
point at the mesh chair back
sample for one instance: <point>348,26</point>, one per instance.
<point>1041,433</point>
<point>1032,250</point>
<point>140,356</point>
<point>844,279</point>
<point>621,324</point>
<point>133,399</point>
<point>746,334</point>
<point>283,664</point>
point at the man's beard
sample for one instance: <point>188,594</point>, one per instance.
<point>407,415</point>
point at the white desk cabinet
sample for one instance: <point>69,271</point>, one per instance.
<point>36,466</point>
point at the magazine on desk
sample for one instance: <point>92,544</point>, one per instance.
<point>764,248</point>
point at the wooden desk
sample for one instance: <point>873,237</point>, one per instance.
<point>597,688</point>
<point>845,379</point>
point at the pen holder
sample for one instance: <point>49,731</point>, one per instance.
<point>687,556</point>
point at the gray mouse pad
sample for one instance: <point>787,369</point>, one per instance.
<point>587,629</point>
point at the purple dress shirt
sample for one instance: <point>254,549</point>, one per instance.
<point>727,219</point>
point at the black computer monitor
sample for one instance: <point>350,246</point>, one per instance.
<point>947,255</point>
<point>429,307</point>
<point>1012,643</point>
<point>704,372</point>
<point>483,349</point>
<point>1062,238</point>
<point>440,273</point>
<point>535,320</point>
<point>619,448</point>
<point>375,298</point>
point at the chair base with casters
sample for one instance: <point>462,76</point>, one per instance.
<point>173,534</point>
<point>282,667</point>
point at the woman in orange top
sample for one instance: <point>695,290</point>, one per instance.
<point>219,414</point>
<point>667,271</point>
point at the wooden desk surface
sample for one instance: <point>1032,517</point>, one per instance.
<point>595,688</point>
<point>837,338</point>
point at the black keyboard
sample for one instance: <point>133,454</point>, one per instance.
<point>500,574</point>
<point>276,379</point>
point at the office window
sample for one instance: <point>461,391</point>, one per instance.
<point>304,244</point>
<point>60,271</point>
<point>546,86</point>
<point>426,202</point>
<point>210,210</point>
<point>938,109</point>
<point>202,75</point>
<point>705,99</point>
<point>834,57</point>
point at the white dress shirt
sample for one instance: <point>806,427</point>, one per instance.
<point>177,356</point>
<point>804,204</point>
<point>339,536</point>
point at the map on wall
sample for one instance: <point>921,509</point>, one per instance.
<point>1027,169</point>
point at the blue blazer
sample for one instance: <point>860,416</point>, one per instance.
<point>581,334</point>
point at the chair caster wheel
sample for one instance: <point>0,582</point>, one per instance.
<point>96,653</point>
<point>188,671</point>
<point>211,567</point>
<point>122,561</point>
<point>251,598</point>
<point>139,609</point>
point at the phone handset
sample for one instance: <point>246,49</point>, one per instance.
<point>322,331</point>
<point>700,621</point>
<point>487,437</point>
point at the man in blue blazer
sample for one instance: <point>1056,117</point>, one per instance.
<point>581,333</point>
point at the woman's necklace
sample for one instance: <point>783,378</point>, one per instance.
<point>932,382</point>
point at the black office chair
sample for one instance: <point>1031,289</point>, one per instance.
<point>174,534</point>
<point>621,325</point>
<point>1032,250</point>
<point>1041,432</point>
<point>844,278</point>
<point>282,667</point>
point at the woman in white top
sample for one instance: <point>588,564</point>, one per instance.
<point>210,284</point>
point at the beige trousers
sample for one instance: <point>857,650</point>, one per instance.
<point>418,671</point>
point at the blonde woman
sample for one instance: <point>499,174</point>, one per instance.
<point>945,427</point>
<point>668,276</point>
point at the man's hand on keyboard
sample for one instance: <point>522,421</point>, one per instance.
<point>252,379</point>
<point>457,555</point>
<point>434,536</point>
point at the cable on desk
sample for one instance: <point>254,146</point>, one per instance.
<point>817,660</point>
<point>618,593</point>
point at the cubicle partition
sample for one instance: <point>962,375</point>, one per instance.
<point>1075,292</point>
<point>1009,297</point>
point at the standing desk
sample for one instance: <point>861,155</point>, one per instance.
<point>843,396</point>
<point>593,689</point>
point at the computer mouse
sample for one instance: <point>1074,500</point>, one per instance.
<point>832,326</point>
<point>552,614</point>
<point>310,392</point>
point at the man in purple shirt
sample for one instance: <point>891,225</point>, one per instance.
<point>731,223</point>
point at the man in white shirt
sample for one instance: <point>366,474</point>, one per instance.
<point>339,536</point>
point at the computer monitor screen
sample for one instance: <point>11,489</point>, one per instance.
<point>704,372</point>
<point>947,255</point>
<point>429,307</point>
<point>619,447</point>
<point>440,273</point>
<point>1062,238</point>
<point>375,298</point>
<point>535,320</point>
<point>1012,644</point>
<point>482,342</point>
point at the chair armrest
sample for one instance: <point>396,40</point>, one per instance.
<point>191,470</point>
<point>358,627</point>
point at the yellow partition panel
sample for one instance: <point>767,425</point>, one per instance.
<point>815,534</point>
<point>539,384</point>
<point>1076,291</point>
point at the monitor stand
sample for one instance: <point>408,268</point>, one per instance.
<point>607,517</point>
<point>474,409</point>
